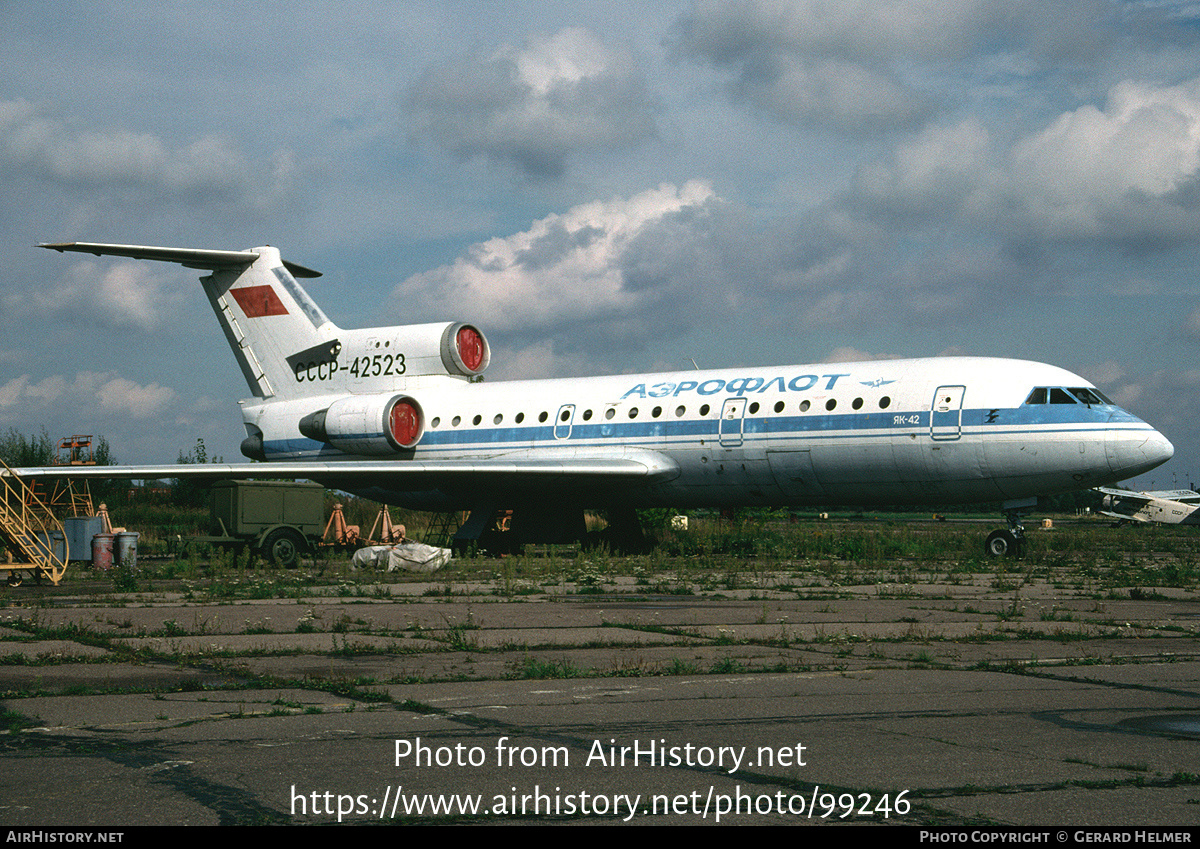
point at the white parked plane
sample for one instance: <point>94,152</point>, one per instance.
<point>399,414</point>
<point>1166,507</point>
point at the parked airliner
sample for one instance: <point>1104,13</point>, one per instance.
<point>401,414</point>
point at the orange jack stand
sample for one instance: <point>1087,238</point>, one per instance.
<point>343,534</point>
<point>389,533</point>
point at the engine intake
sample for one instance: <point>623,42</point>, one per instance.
<point>464,350</point>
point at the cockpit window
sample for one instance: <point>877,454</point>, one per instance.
<point>1055,395</point>
<point>1089,396</point>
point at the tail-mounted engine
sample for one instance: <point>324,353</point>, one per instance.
<point>382,358</point>
<point>412,350</point>
<point>371,425</point>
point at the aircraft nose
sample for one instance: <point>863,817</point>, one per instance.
<point>1131,452</point>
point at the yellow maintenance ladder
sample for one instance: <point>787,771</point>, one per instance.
<point>29,532</point>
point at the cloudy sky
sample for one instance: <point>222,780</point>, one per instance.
<point>603,187</point>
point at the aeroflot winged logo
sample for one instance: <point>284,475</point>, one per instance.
<point>258,301</point>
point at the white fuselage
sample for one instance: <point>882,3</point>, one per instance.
<point>934,430</point>
<point>398,413</point>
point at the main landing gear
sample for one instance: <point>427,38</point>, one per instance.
<point>1007,542</point>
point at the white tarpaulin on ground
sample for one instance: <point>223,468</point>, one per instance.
<point>406,557</point>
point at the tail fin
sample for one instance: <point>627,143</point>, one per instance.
<point>286,346</point>
<point>271,323</point>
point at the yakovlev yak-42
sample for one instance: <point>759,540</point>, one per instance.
<point>398,414</point>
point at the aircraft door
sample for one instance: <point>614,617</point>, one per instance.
<point>562,424</point>
<point>730,427</point>
<point>945,413</point>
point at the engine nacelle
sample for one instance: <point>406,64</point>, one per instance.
<point>372,425</point>
<point>450,348</point>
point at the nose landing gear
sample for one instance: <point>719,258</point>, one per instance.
<point>1007,542</point>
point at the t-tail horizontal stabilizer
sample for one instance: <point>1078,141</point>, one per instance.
<point>187,257</point>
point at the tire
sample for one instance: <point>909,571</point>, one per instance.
<point>282,547</point>
<point>1001,543</point>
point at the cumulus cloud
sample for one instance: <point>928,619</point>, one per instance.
<point>941,167</point>
<point>1094,168</point>
<point>574,267</point>
<point>858,66</point>
<point>536,105</point>
<point>576,289</point>
<point>1127,173</point>
<point>1145,139</point>
<point>602,263</point>
<point>58,150</point>
<point>794,62</point>
<point>122,296</point>
<point>109,392</point>
<point>122,396</point>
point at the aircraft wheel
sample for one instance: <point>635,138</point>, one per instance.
<point>282,547</point>
<point>1001,543</point>
<point>14,580</point>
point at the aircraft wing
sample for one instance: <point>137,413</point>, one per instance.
<point>1122,493</point>
<point>529,467</point>
<point>1185,496</point>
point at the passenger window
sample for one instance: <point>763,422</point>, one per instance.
<point>543,416</point>
<point>587,415</point>
<point>609,413</point>
<point>456,421</point>
<point>804,405</point>
<point>564,415</point>
<point>679,411</point>
<point>857,404</point>
<point>1060,396</point>
<point>633,412</point>
<point>704,410</point>
<point>830,404</point>
<point>885,402</point>
<point>436,421</point>
<point>1037,396</point>
<point>499,418</point>
<point>656,412</point>
<point>754,408</point>
<point>520,418</point>
<point>476,420</point>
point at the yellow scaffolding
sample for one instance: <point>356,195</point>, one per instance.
<point>29,533</point>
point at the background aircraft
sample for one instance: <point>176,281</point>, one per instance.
<point>1167,507</point>
<point>401,414</point>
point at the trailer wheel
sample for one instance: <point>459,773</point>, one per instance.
<point>282,547</point>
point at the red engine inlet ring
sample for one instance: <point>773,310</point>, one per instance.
<point>470,345</point>
<point>404,423</point>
